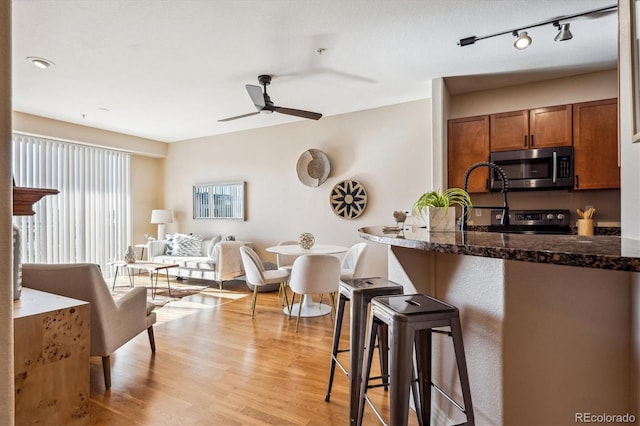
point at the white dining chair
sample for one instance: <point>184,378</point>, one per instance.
<point>351,266</point>
<point>257,276</point>
<point>314,274</point>
<point>285,261</point>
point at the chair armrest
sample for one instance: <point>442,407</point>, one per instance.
<point>156,248</point>
<point>132,310</point>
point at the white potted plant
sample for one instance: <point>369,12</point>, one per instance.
<point>434,208</point>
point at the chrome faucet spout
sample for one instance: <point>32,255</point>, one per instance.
<point>504,220</point>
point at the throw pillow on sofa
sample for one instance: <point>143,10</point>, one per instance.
<point>186,245</point>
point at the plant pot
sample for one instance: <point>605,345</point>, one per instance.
<point>440,219</point>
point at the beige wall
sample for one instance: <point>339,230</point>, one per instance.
<point>147,193</point>
<point>6,286</point>
<point>386,149</point>
<point>569,90</point>
<point>41,126</point>
<point>581,88</point>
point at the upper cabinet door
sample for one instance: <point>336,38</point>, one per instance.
<point>595,145</point>
<point>468,143</point>
<point>550,127</point>
<point>510,131</point>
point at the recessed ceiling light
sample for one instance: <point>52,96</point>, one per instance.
<point>41,63</point>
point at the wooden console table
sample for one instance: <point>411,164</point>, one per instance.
<point>51,352</point>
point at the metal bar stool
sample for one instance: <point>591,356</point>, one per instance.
<point>411,320</point>
<point>359,293</point>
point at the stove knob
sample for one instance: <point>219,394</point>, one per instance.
<point>549,216</point>
<point>560,216</point>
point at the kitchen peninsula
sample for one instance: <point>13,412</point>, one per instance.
<point>547,320</point>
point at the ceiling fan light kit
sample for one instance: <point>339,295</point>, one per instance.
<point>265,105</point>
<point>523,40</point>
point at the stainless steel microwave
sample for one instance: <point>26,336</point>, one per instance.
<point>542,168</point>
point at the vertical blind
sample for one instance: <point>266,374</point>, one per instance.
<point>90,219</point>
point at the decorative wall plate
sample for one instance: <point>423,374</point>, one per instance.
<point>348,199</point>
<point>313,167</point>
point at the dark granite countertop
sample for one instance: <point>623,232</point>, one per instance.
<point>599,251</point>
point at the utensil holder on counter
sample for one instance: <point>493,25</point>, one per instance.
<point>585,226</point>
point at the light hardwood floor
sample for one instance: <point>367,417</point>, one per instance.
<point>215,365</point>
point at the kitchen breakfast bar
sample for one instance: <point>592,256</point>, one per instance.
<point>550,322</point>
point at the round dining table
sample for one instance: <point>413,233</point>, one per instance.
<point>307,307</point>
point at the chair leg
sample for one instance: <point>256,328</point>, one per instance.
<point>106,370</point>
<point>333,305</point>
<point>293,299</point>
<point>298,319</point>
<point>283,286</point>
<point>152,339</point>
<point>253,303</point>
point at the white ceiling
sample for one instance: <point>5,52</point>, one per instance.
<point>169,69</point>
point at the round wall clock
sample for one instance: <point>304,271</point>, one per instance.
<point>348,199</point>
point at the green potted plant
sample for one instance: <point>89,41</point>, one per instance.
<point>434,208</point>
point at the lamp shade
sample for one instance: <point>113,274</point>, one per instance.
<point>161,216</point>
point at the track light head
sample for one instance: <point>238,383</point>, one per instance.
<point>563,32</point>
<point>522,41</point>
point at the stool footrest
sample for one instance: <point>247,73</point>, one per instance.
<point>451,400</point>
<point>375,410</point>
<point>447,332</point>
<point>344,370</point>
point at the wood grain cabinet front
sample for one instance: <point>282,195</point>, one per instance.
<point>468,143</point>
<point>535,128</point>
<point>51,353</point>
<point>595,145</point>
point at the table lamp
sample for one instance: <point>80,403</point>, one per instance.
<point>161,217</point>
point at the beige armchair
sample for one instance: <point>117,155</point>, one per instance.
<point>112,323</point>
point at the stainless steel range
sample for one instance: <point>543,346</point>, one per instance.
<point>532,222</point>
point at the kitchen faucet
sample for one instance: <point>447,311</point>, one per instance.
<point>504,220</point>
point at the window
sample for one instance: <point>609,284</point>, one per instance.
<point>90,219</point>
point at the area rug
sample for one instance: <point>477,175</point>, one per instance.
<point>162,297</point>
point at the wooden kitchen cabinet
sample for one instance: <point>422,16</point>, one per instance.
<point>468,143</point>
<point>595,145</point>
<point>536,128</point>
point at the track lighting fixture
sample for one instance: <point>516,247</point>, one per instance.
<point>523,40</point>
<point>563,32</point>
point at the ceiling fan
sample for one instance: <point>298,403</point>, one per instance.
<point>264,105</point>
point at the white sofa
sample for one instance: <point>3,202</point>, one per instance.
<point>206,258</point>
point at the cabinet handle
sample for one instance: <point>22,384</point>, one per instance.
<point>525,141</point>
<point>531,140</point>
<point>486,185</point>
<point>577,182</point>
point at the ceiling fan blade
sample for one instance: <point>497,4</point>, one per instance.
<point>298,113</point>
<point>255,92</point>
<point>239,116</point>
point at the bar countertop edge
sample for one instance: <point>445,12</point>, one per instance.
<point>599,251</point>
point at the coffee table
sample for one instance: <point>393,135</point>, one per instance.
<point>152,268</point>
